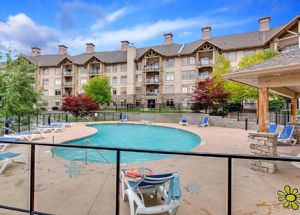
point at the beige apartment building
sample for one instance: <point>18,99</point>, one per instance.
<point>157,74</point>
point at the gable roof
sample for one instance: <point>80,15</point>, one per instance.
<point>165,50</point>
<point>105,57</point>
<point>48,60</point>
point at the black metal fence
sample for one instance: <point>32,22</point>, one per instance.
<point>229,157</point>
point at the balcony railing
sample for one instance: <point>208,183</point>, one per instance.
<point>152,93</point>
<point>206,62</point>
<point>68,74</point>
<point>95,72</point>
<point>152,67</point>
<point>68,84</point>
<point>151,80</point>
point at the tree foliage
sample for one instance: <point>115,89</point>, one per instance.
<point>17,92</point>
<point>239,92</point>
<point>79,104</point>
<point>210,93</point>
<point>99,89</point>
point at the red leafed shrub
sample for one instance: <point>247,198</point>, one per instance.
<point>79,104</point>
<point>210,93</point>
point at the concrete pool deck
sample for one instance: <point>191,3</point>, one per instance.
<point>89,189</point>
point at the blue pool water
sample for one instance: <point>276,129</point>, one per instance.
<point>129,136</point>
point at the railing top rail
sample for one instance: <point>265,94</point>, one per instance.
<point>197,154</point>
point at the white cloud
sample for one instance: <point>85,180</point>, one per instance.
<point>20,33</point>
<point>109,18</point>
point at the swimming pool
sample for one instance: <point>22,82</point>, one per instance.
<point>129,136</point>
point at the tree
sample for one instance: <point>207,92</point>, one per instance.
<point>98,88</point>
<point>18,95</point>
<point>239,92</point>
<point>79,104</point>
<point>210,93</point>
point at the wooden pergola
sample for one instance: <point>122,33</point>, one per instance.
<point>280,75</point>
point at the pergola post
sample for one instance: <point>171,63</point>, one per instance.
<point>294,110</point>
<point>263,109</point>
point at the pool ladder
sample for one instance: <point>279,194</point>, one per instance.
<point>88,142</point>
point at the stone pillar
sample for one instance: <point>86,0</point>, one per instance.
<point>264,144</point>
<point>263,109</point>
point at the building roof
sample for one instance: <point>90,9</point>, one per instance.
<point>226,42</point>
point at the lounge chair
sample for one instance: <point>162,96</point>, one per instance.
<point>154,184</point>
<point>8,158</point>
<point>272,128</point>
<point>286,135</point>
<point>183,121</point>
<point>124,118</point>
<point>27,135</point>
<point>146,122</point>
<point>50,128</point>
<point>3,146</point>
<point>204,122</point>
<point>61,123</point>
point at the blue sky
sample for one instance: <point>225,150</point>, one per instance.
<point>47,23</point>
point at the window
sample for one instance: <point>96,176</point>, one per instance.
<point>57,81</point>
<point>123,102</point>
<point>170,89</point>
<point>108,69</point>
<point>205,61</point>
<point>45,71</point>
<point>185,88</point>
<point>123,90</point>
<point>248,53</point>
<point>139,65</point>
<point>138,90</point>
<point>57,92</point>
<point>192,88</point>
<point>114,91</point>
<point>115,68</point>
<point>57,71</point>
<point>45,82</point>
<point>170,76</point>
<point>138,78</point>
<point>170,103</point>
<point>114,80</point>
<point>123,79</point>
<point>289,48</point>
<point>83,70</point>
<point>231,56</point>
<point>83,80</point>
<point>137,103</point>
<point>203,75</point>
<point>46,92</point>
<point>188,75</point>
<point>187,61</point>
<point>124,67</point>
<point>170,63</point>
<point>57,104</point>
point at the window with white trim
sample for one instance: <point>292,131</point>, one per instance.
<point>170,76</point>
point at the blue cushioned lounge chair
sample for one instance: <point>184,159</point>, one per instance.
<point>205,122</point>
<point>286,135</point>
<point>183,121</point>
<point>3,146</point>
<point>154,184</point>
<point>7,158</point>
<point>124,118</point>
<point>272,128</point>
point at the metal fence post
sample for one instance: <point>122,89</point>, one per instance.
<point>19,124</point>
<point>276,118</point>
<point>238,116</point>
<point>118,183</point>
<point>32,177</point>
<point>29,122</point>
<point>66,117</point>
<point>246,123</point>
<point>229,185</point>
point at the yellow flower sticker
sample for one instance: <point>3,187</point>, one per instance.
<point>291,198</point>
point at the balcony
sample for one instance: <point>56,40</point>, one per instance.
<point>68,84</point>
<point>153,80</point>
<point>68,74</point>
<point>205,62</point>
<point>150,93</point>
<point>94,72</point>
<point>152,67</point>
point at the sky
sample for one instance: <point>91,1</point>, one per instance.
<point>48,23</point>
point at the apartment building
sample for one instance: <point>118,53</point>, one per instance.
<point>157,74</point>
